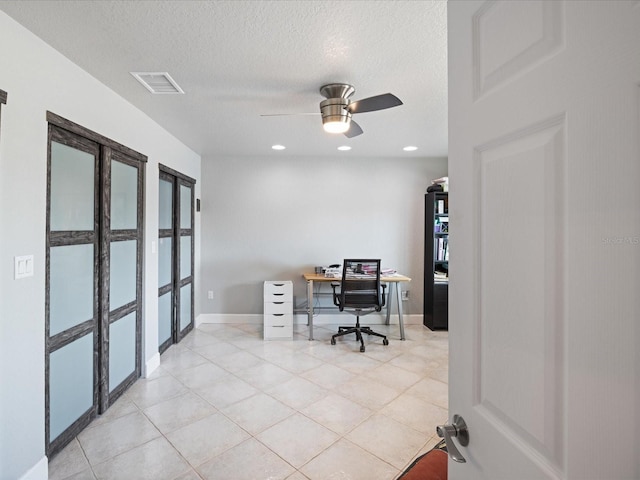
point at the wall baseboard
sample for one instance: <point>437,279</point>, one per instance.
<point>40,471</point>
<point>301,319</point>
<point>151,364</point>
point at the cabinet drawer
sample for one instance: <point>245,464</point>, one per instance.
<point>278,307</point>
<point>278,332</point>
<point>278,297</point>
<point>277,319</point>
<point>278,288</point>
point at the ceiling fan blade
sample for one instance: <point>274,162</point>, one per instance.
<point>287,114</point>
<point>371,104</point>
<point>354,130</point>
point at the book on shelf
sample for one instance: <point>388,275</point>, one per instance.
<point>442,252</point>
<point>441,225</point>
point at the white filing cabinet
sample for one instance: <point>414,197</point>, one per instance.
<point>278,309</point>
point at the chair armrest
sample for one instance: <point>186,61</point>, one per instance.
<point>383,301</point>
<point>336,295</point>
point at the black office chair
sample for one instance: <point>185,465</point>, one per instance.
<point>360,293</point>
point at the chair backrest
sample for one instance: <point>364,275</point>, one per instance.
<point>360,288</point>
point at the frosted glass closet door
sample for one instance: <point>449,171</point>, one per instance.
<point>93,277</point>
<point>165,262</point>
<point>71,398</point>
<point>185,256</point>
<point>123,272</point>
<point>175,257</point>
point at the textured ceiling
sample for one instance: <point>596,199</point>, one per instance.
<point>238,59</point>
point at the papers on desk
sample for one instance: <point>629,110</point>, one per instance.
<point>337,273</point>
<point>333,272</point>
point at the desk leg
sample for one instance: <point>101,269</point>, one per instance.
<point>310,308</point>
<point>399,299</point>
<point>389,303</point>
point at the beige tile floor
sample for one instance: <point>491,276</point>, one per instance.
<point>226,405</point>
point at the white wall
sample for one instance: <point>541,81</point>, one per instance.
<point>38,79</point>
<point>273,218</point>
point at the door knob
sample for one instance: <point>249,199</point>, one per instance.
<point>459,430</point>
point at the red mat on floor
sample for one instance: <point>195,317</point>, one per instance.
<point>430,466</point>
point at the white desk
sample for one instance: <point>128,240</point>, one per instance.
<point>391,280</point>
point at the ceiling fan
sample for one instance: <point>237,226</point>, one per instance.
<point>338,109</point>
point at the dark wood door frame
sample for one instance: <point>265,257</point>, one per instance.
<point>3,101</point>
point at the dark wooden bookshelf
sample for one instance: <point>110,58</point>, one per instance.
<point>436,261</point>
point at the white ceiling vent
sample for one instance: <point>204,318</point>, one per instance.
<point>157,82</point>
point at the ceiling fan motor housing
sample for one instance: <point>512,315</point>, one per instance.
<point>337,90</point>
<point>335,110</point>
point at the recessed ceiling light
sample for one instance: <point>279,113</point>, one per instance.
<point>344,148</point>
<point>410,148</point>
<point>278,147</point>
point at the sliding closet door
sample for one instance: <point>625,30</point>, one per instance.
<point>165,262</point>
<point>122,278</point>
<point>93,276</point>
<point>184,233</point>
<point>175,257</point>
<point>72,310</point>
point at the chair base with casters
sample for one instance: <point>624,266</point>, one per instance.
<point>358,330</point>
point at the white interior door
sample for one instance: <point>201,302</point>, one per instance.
<point>544,166</point>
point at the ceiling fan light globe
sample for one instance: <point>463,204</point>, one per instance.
<point>339,125</point>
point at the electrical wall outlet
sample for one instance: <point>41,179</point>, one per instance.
<point>404,295</point>
<point>210,294</point>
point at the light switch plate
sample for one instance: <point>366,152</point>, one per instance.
<point>23,266</point>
